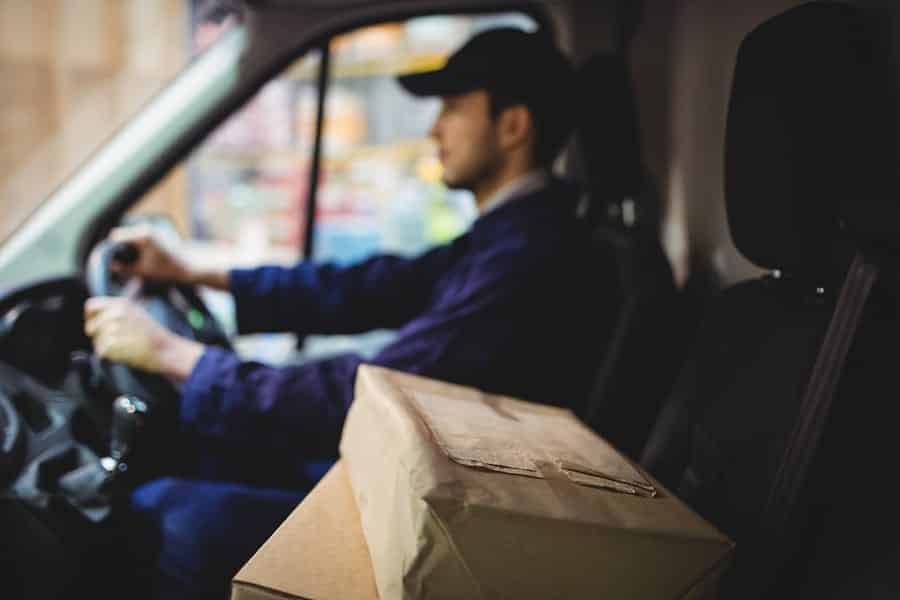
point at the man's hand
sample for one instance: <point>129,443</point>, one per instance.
<point>123,332</point>
<point>156,262</point>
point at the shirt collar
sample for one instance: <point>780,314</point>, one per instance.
<point>520,186</point>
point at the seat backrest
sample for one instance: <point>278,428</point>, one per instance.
<point>623,210</point>
<point>810,181</point>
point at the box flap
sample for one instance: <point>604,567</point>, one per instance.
<point>512,436</point>
<point>318,553</point>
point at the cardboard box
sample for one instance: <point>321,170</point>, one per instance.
<point>467,495</point>
<point>318,553</point>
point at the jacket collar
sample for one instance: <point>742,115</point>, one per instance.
<point>550,201</point>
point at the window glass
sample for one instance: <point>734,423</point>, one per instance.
<point>239,199</point>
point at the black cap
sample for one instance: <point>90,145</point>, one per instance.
<point>523,66</point>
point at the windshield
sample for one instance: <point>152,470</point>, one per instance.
<point>63,97</point>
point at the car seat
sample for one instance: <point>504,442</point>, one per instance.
<point>651,328</point>
<point>810,183</point>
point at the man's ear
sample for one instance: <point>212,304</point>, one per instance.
<point>516,126</point>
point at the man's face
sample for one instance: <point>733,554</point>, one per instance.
<point>467,141</point>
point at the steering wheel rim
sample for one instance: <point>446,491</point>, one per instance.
<point>12,447</point>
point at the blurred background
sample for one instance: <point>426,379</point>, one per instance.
<point>73,71</point>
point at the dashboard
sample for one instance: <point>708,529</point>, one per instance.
<point>54,413</point>
<point>56,395</point>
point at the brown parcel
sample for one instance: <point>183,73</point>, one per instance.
<point>318,553</point>
<point>467,495</point>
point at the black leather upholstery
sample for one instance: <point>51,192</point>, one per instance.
<point>810,160</point>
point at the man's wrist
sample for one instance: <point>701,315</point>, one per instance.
<point>178,356</point>
<point>214,278</point>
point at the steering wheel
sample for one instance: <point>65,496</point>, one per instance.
<point>12,444</point>
<point>178,307</point>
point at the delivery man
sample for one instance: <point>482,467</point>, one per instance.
<point>510,307</point>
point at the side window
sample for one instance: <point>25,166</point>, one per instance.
<point>241,198</point>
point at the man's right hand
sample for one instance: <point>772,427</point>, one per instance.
<point>154,261</point>
<point>122,331</point>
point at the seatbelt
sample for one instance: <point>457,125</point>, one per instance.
<point>802,443</point>
<point>817,399</point>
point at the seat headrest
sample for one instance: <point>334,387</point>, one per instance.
<point>607,128</point>
<point>811,141</point>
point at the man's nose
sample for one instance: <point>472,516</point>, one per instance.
<point>433,130</point>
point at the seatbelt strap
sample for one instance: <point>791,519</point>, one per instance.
<point>803,441</point>
<point>817,399</point>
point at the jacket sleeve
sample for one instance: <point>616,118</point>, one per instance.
<point>463,340</point>
<point>382,292</point>
<point>301,409</point>
<point>295,409</point>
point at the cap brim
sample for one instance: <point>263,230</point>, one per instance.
<point>440,82</point>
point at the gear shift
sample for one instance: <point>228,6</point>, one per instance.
<point>89,486</point>
<point>128,417</point>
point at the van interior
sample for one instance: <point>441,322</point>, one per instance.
<point>738,163</point>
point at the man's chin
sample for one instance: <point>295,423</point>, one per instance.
<point>456,184</point>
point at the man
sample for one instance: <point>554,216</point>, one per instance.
<point>509,307</point>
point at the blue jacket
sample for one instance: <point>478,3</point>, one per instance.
<point>515,306</point>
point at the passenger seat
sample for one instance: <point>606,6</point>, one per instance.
<point>811,166</point>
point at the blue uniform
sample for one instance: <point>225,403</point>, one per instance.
<point>513,307</point>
